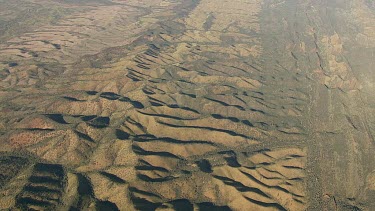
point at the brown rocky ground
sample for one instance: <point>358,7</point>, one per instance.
<point>187,105</point>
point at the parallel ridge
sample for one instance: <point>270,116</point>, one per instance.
<point>63,32</point>
<point>267,179</point>
<point>272,179</point>
<point>44,189</point>
<point>178,118</point>
<point>196,107</point>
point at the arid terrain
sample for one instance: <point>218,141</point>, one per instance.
<point>187,105</point>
